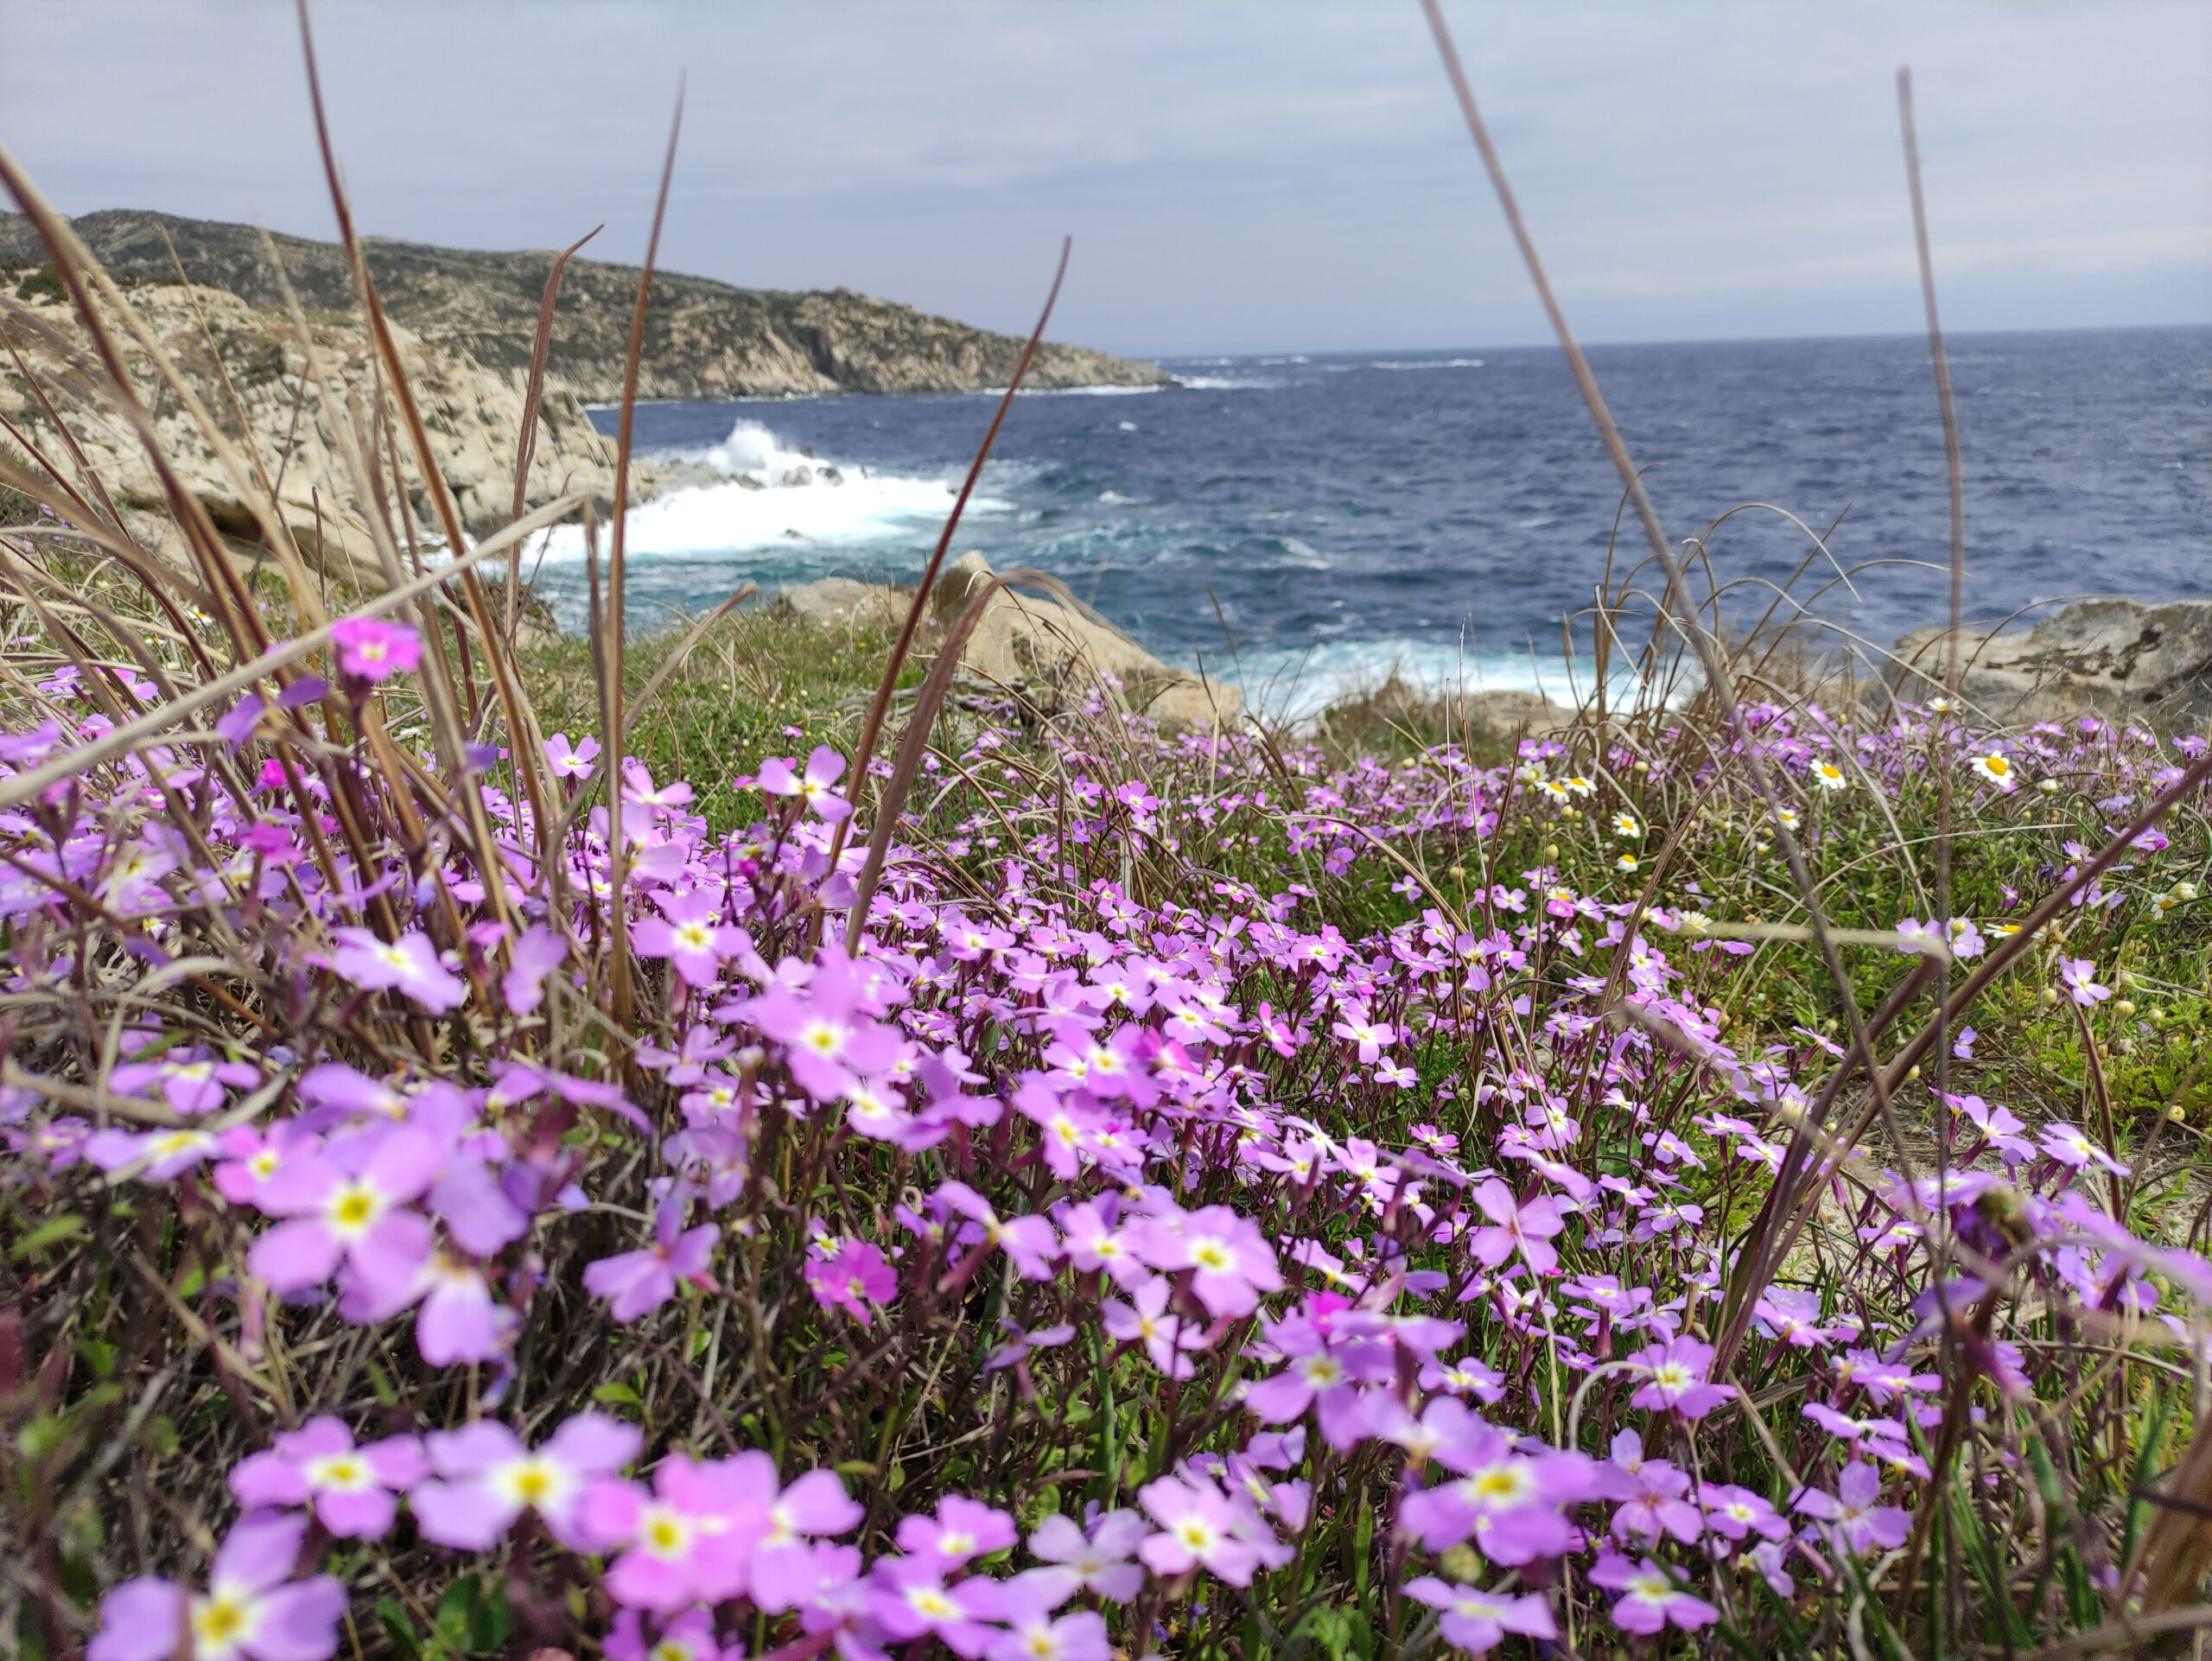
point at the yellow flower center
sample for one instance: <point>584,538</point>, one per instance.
<point>219,1622</point>
<point>664,1534</point>
<point>1499,1482</point>
<point>353,1207</point>
<point>342,1471</point>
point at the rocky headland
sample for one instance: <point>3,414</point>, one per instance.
<point>269,404</point>
<point>464,322</point>
<point>703,339</point>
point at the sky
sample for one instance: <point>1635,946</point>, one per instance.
<point>1238,177</point>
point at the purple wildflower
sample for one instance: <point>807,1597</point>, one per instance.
<point>351,1489</point>
<point>248,1610</point>
<point>486,1478</point>
<point>638,1282</point>
<point>409,964</point>
<point>1651,1600</point>
<point>372,649</point>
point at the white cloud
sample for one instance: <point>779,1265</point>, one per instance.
<point>1237,175</point>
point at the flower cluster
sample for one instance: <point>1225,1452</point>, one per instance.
<point>1189,1166</point>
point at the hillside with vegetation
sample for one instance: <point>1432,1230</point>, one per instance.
<point>703,339</point>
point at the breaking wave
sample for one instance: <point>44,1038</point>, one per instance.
<point>766,496</point>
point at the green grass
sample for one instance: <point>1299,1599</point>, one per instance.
<point>760,673</point>
<point>730,700</point>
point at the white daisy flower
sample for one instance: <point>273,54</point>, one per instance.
<point>1997,767</point>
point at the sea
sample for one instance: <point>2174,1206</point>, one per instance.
<point>1308,523</point>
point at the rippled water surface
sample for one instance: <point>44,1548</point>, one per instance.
<point>1345,511</point>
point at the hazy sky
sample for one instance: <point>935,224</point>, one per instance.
<point>1237,176</point>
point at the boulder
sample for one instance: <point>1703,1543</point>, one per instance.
<point>2113,657</point>
<point>1021,638</point>
<point>845,599</point>
<point>1509,712</point>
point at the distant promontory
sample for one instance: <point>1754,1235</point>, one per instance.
<point>703,339</point>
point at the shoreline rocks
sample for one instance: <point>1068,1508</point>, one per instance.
<point>1049,653</point>
<point>2110,656</point>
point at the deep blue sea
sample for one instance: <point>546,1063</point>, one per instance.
<point>1443,510</point>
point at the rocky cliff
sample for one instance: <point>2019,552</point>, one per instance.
<point>294,421</point>
<point>703,339</point>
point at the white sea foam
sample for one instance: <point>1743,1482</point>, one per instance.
<point>777,498</point>
<point>1296,684</point>
<point>1427,363</point>
<point>1224,383</point>
<point>1068,391</point>
<point>750,450</point>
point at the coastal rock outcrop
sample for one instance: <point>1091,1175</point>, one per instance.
<point>1029,643</point>
<point>1021,637</point>
<point>833,600</point>
<point>2111,656</point>
<point>267,402</point>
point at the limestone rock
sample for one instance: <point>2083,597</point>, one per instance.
<point>1021,638</point>
<point>1507,712</point>
<point>834,600</point>
<point>296,423</point>
<point>2113,657</point>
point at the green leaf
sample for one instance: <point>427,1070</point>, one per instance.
<point>453,1611</point>
<point>392,1616</point>
<point>1338,1633</point>
<point>2150,1449</point>
<point>98,1356</point>
<point>51,1232</point>
<point>490,1621</point>
<point>40,1437</point>
<point>617,1396</point>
